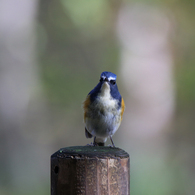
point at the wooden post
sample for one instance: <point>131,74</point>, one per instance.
<point>90,170</point>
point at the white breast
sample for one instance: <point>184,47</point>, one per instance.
<point>105,116</point>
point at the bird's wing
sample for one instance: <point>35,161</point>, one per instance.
<point>86,104</point>
<point>87,134</point>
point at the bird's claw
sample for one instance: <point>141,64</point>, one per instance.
<point>92,144</point>
<point>111,146</point>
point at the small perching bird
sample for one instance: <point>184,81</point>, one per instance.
<point>103,110</point>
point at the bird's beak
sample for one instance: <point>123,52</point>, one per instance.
<point>106,80</point>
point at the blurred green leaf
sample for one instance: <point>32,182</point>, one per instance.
<point>90,16</point>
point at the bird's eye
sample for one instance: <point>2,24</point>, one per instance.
<point>113,82</point>
<point>101,79</point>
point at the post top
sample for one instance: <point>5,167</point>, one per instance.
<point>76,152</point>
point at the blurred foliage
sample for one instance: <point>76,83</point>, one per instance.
<point>185,86</point>
<point>76,42</point>
<point>91,17</point>
<point>183,49</point>
<point>79,45</point>
<point>163,177</point>
<point>184,56</point>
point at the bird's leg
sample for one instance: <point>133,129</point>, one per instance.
<point>94,143</point>
<point>112,142</point>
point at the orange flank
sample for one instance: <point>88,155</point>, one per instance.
<point>122,108</point>
<point>86,104</point>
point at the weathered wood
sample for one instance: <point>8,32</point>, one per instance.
<point>90,170</point>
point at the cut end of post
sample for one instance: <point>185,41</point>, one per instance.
<point>90,152</point>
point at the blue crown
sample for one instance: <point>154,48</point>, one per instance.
<point>108,75</point>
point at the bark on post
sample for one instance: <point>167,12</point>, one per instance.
<point>88,170</point>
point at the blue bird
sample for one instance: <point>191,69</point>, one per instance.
<point>103,110</point>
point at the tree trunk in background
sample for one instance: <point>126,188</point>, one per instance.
<point>146,68</point>
<point>17,80</point>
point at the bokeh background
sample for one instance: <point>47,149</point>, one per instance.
<point>52,54</point>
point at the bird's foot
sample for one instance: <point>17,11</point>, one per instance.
<point>91,144</point>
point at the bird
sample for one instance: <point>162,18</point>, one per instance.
<point>103,110</point>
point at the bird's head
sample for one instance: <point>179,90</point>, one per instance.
<point>108,83</point>
<point>106,87</point>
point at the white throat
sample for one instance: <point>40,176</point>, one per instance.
<point>105,91</point>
